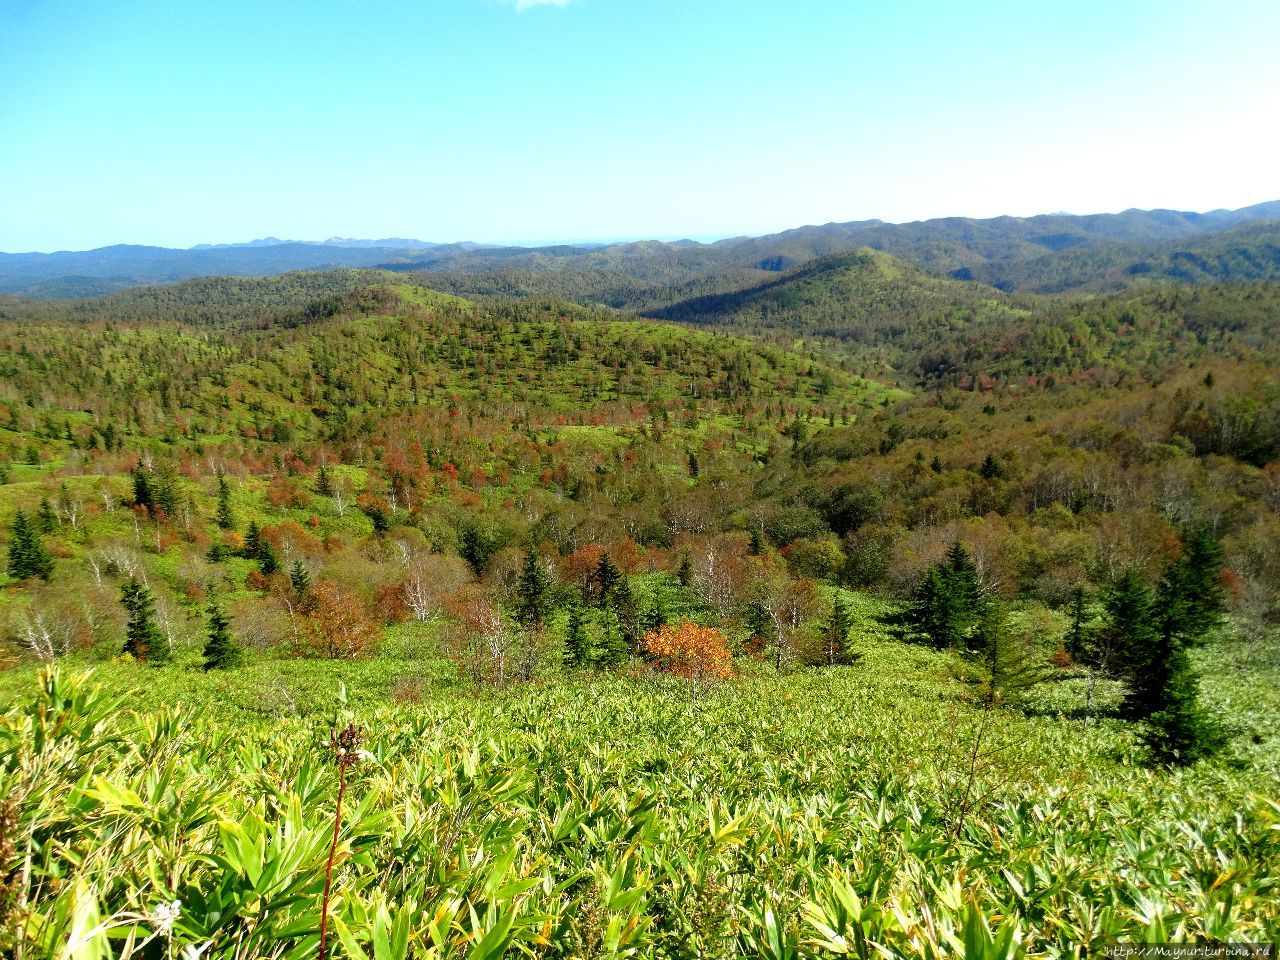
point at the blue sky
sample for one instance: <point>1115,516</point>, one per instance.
<point>150,121</point>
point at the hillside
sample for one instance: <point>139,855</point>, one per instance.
<point>471,535</point>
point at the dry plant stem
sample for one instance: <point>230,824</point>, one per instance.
<point>344,745</point>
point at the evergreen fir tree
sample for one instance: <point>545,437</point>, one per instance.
<point>577,644</point>
<point>1077,639</point>
<point>655,618</point>
<point>684,573</point>
<point>324,485</point>
<point>1131,630</point>
<point>835,640</point>
<point>299,578</point>
<point>627,610</point>
<point>607,577</point>
<point>1006,665</point>
<point>142,495</point>
<point>226,520</point>
<point>252,541</point>
<point>221,652</point>
<point>948,603</point>
<point>533,598</point>
<point>991,468</point>
<point>612,651</point>
<point>143,639</point>
<point>756,545</point>
<point>48,520</point>
<point>27,554</point>
<point>1181,731</point>
<point>268,558</point>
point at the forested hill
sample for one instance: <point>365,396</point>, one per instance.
<point>1052,252</point>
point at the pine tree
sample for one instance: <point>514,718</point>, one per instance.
<point>226,520</point>
<point>1181,731</point>
<point>533,597</point>
<point>299,578</point>
<point>606,577</point>
<point>142,494</point>
<point>1131,631</point>
<point>991,468</point>
<point>268,558</point>
<point>949,601</point>
<point>143,639</point>
<point>577,644</point>
<point>27,554</point>
<point>1077,639</point>
<point>835,640</point>
<point>221,652</point>
<point>627,610</point>
<point>252,541</point>
<point>47,518</point>
<point>1007,666</point>
<point>324,485</point>
<point>684,573</point>
<point>655,618</point>
<point>613,648</point>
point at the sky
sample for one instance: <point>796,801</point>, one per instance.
<point>525,121</point>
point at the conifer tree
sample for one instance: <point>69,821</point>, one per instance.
<point>268,558</point>
<point>252,540</point>
<point>47,518</point>
<point>142,494</point>
<point>607,577</point>
<point>613,648</point>
<point>324,484</point>
<point>627,610</point>
<point>948,603</point>
<point>299,578</point>
<point>226,520</point>
<point>1132,632</point>
<point>143,639</point>
<point>577,644</point>
<point>221,652</point>
<point>27,554</point>
<point>1077,639</point>
<point>835,640</point>
<point>533,597</point>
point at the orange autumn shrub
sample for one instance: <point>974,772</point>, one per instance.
<point>690,651</point>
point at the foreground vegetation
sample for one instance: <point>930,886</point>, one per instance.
<point>865,810</point>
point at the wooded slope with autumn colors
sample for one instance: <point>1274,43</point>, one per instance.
<point>870,503</point>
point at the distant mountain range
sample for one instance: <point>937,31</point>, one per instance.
<point>1049,253</point>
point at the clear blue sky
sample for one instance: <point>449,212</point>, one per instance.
<point>175,123</point>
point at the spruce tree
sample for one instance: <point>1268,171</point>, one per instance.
<point>27,554</point>
<point>143,639</point>
<point>47,518</point>
<point>1077,639</point>
<point>299,578</point>
<point>1131,631</point>
<point>949,602</point>
<point>533,597</point>
<point>142,493</point>
<point>577,644</point>
<point>226,520</point>
<point>324,485</point>
<point>627,610</point>
<point>252,541</point>
<point>613,650</point>
<point>268,558</point>
<point>607,577</point>
<point>835,640</point>
<point>221,652</point>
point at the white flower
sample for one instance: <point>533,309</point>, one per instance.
<point>165,915</point>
